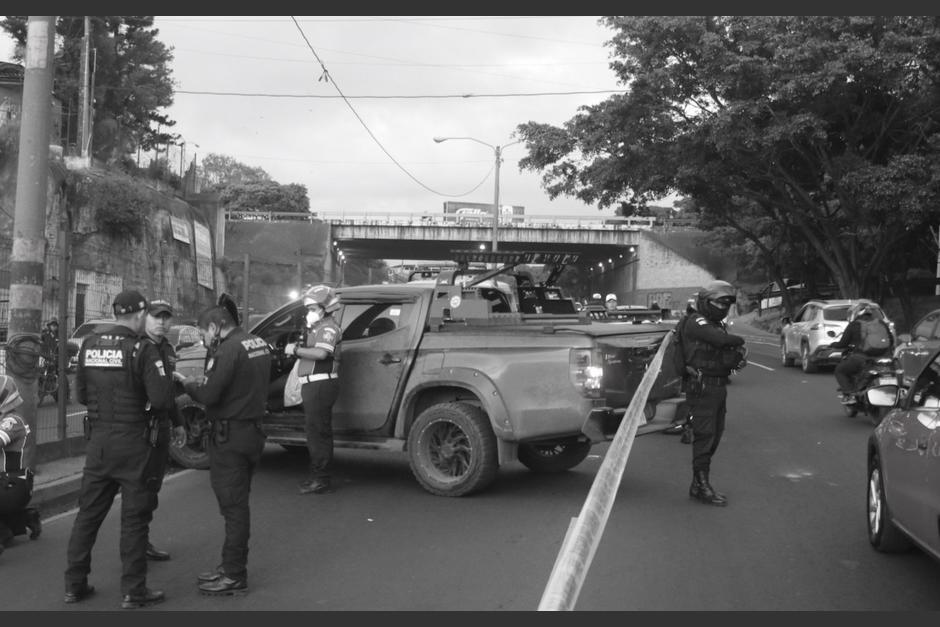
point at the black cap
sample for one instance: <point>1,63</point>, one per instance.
<point>128,301</point>
<point>158,307</point>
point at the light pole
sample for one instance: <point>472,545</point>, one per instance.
<point>498,153</point>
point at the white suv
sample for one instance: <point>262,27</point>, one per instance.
<point>818,324</point>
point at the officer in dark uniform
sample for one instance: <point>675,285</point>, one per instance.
<point>157,323</point>
<point>711,354</point>
<point>119,378</point>
<point>234,390</point>
<point>318,373</point>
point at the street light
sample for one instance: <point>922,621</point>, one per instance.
<point>497,152</point>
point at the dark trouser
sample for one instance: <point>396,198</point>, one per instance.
<point>118,457</point>
<point>707,404</point>
<point>318,398</point>
<point>848,369</point>
<point>232,464</point>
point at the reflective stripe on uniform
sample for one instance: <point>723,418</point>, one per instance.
<point>310,378</point>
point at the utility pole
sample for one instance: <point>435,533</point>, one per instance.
<point>84,98</point>
<point>29,243</point>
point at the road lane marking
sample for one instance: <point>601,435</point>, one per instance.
<point>754,363</point>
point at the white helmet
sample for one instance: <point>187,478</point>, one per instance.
<point>322,295</point>
<point>610,296</point>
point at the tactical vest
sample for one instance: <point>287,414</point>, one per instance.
<point>708,359</point>
<point>320,366</point>
<point>114,383</point>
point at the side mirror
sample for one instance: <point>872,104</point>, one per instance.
<point>905,338</point>
<point>883,395</point>
<point>785,320</point>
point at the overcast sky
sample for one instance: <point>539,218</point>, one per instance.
<point>404,80</point>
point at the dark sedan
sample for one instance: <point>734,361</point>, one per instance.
<point>915,347</point>
<point>904,465</point>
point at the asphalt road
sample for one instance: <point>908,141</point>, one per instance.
<point>792,538</point>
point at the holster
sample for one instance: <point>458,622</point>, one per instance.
<point>152,434</point>
<point>220,431</point>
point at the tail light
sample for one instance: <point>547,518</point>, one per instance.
<point>585,372</point>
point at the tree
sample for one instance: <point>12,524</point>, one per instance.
<point>265,196</point>
<point>817,131</point>
<point>220,170</point>
<point>132,80</point>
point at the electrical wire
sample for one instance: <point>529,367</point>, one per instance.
<point>416,97</point>
<point>325,76</point>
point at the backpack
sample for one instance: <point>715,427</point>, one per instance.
<point>875,337</point>
<point>672,370</point>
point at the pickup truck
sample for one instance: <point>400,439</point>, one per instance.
<point>430,370</point>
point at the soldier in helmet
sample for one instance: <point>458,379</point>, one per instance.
<point>711,354</point>
<point>319,365</point>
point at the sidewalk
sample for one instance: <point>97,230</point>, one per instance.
<point>57,483</point>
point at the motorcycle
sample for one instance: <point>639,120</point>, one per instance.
<point>878,371</point>
<point>48,382</point>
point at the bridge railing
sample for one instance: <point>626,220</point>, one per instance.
<point>365,218</point>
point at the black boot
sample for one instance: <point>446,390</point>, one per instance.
<point>702,491</point>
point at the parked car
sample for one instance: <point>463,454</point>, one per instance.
<point>183,336</point>
<point>86,328</point>
<point>904,465</point>
<point>913,348</point>
<point>816,325</point>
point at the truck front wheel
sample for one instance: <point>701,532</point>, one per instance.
<point>452,449</point>
<point>554,456</point>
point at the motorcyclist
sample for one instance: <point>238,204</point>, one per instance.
<point>49,339</point>
<point>854,360</point>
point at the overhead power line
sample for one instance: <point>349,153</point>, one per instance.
<point>404,97</point>
<point>327,77</point>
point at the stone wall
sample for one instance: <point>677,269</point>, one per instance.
<point>158,264</point>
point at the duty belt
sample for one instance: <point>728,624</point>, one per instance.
<point>714,380</point>
<point>310,378</point>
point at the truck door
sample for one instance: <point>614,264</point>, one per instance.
<point>376,352</point>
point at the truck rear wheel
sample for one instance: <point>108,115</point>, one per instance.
<point>554,456</point>
<point>452,449</point>
<point>194,452</point>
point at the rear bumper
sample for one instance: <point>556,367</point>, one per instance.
<point>602,422</point>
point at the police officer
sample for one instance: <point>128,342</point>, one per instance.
<point>711,354</point>
<point>234,390</point>
<point>119,378</point>
<point>318,370</point>
<point>16,518</point>
<point>157,323</point>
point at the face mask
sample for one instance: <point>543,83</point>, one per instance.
<point>314,317</point>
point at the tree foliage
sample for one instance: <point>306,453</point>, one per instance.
<point>265,196</point>
<point>804,135</point>
<point>220,170</point>
<point>132,80</point>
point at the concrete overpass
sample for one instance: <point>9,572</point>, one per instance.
<point>392,236</point>
<point>637,259</point>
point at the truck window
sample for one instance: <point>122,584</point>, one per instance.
<point>363,321</point>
